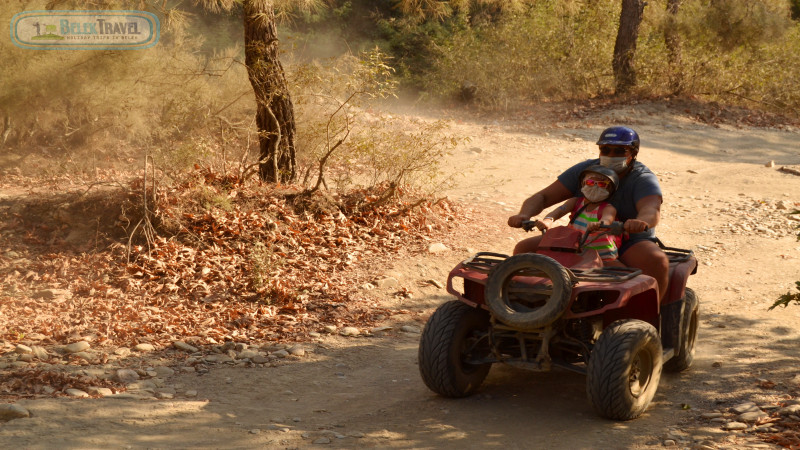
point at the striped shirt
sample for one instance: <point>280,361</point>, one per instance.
<point>605,244</point>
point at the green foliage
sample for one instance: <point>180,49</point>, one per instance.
<point>552,51</point>
<point>789,297</point>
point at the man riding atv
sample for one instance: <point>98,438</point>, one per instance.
<point>637,200</point>
<point>559,302</point>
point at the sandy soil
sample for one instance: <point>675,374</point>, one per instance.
<point>720,200</point>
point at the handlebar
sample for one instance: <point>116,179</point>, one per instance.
<point>615,229</point>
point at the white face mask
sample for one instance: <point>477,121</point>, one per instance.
<point>594,194</point>
<point>616,163</point>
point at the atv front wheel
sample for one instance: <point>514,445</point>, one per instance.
<point>528,306</point>
<point>624,369</point>
<point>452,343</point>
<point>684,354</point>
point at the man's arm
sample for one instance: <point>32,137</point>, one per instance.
<point>648,215</point>
<point>534,204</point>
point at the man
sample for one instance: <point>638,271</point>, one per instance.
<point>637,200</point>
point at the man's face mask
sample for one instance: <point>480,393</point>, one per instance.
<point>616,163</point>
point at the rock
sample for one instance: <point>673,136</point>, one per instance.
<point>367,286</point>
<point>142,385</point>
<point>386,282</point>
<point>76,393</point>
<point>164,371</point>
<point>101,391</point>
<point>88,357</point>
<point>379,329</point>
<point>23,349</point>
<point>126,375</point>
<point>219,358</point>
<point>280,354</point>
<point>330,328</point>
<point>350,331</point>
<point>322,441</point>
<point>247,354</point>
<point>437,248</point>
<point>711,415</point>
<point>669,443</point>
<point>732,426</point>
<point>259,359</point>
<point>789,410</point>
<point>240,346</point>
<point>410,329</point>
<point>297,350</point>
<point>165,395</point>
<point>76,347</point>
<point>144,348</point>
<point>313,334</point>
<point>752,416</point>
<point>40,353</point>
<point>770,164</point>
<point>190,393</point>
<point>10,411</point>
<point>53,294</point>
<point>180,345</point>
<point>745,407</point>
<point>122,352</point>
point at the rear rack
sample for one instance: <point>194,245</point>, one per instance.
<point>675,255</point>
<point>484,262</point>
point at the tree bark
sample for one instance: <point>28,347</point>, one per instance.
<point>275,112</point>
<point>625,47</point>
<point>672,40</point>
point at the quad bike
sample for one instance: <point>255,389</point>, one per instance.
<point>559,307</point>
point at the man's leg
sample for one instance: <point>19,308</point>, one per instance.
<point>527,245</point>
<point>647,256</point>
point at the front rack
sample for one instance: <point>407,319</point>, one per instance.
<point>484,262</point>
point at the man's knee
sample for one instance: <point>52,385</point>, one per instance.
<point>647,256</point>
<point>529,245</point>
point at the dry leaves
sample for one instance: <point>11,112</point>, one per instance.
<point>230,261</point>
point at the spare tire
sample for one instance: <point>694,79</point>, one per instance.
<point>526,306</point>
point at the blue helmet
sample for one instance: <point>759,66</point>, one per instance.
<point>620,136</point>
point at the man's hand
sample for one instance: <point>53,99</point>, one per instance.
<point>516,220</point>
<point>635,226</point>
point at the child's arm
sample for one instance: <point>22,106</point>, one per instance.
<point>557,213</point>
<point>609,214</point>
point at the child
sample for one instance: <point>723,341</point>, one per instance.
<point>598,183</point>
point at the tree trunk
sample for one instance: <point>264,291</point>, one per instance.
<point>625,47</point>
<point>275,112</point>
<point>673,42</point>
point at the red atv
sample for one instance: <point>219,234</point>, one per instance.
<point>560,307</point>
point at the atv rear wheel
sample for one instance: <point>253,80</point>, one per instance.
<point>684,354</point>
<point>454,335</point>
<point>624,369</point>
<point>528,307</point>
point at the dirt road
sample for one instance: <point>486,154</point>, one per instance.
<point>365,391</point>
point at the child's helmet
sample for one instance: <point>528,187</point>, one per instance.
<point>620,136</point>
<point>604,171</point>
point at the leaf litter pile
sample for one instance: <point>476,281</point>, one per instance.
<point>216,260</point>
